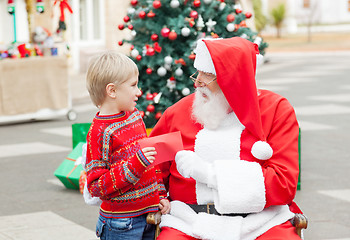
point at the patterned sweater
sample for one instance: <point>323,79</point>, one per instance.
<point>117,170</point>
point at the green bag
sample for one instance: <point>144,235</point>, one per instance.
<point>69,171</point>
<point>79,132</point>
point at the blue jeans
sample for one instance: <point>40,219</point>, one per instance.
<point>124,228</point>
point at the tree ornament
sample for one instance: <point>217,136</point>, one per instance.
<point>121,26</point>
<point>142,14</point>
<point>165,32</point>
<point>133,33</point>
<point>238,10</point>
<point>207,1</point>
<point>174,4</point>
<point>154,37</point>
<point>149,71</point>
<point>179,72</point>
<point>120,43</point>
<point>192,56</point>
<point>158,115</point>
<point>194,14</point>
<point>230,18</point>
<point>171,83</point>
<point>131,11</point>
<point>131,27</point>
<point>139,57</point>
<point>134,53</point>
<point>150,51</point>
<point>210,25</point>
<point>230,27</point>
<point>126,19</point>
<point>172,35</point>
<point>161,71</point>
<point>150,108</point>
<point>185,91</point>
<point>40,6</point>
<point>157,4</point>
<point>134,2</point>
<point>155,95</point>
<point>243,24</point>
<point>248,15</point>
<point>142,113</point>
<point>196,3</point>
<point>222,5</point>
<point>168,60</point>
<point>149,96</point>
<point>151,14</point>
<point>185,31</point>
<point>200,23</point>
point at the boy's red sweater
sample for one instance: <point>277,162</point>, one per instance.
<point>117,169</point>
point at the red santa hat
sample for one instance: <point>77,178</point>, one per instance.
<point>233,61</point>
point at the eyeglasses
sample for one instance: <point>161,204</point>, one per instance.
<point>194,78</point>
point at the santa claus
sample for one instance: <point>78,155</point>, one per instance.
<point>237,177</point>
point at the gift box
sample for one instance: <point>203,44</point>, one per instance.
<point>70,169</point>
<point>79,132</point>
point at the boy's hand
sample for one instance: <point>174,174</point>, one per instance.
<point>149,152</point>
<point>164,206</point>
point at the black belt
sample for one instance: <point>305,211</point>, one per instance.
<point>210,209</point>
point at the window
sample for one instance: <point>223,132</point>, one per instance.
<point>306,3</point>
<point>90,20</point>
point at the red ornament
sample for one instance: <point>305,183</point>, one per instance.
<point>172,35</point>
<point>142,113</point>
<point>126,19</point>
<point>121,26</point>
<point>154,37</point>
<point>150,51</point>
<point>149,96</point>
<point>149,71</point>
<point>155,94</point>
<point>134,2</point>
<point>196,3</point>
<point>192,56</point>
<point>172,78</point>
<point>151,14</point>
<point>230,18</point>
<point>132,47</point>
<point>138,57</point>
<point>194,14</point>
<point>142,14</point>
<point>131,27</point>
<point>165,32</point>
<point>248,15</point>
<point>157,4</point>
<point>158,115</point>
<point>120,43</point>
<point>238,11</point>
<point>150,108</point>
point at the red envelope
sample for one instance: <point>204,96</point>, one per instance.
<point>166,145</point>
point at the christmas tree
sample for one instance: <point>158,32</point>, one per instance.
<point>163,36</point>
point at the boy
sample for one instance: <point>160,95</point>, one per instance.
<point>116,166</point>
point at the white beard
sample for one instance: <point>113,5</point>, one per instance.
<point>210,111</point>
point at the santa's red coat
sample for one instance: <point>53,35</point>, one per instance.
<point>281,129</point>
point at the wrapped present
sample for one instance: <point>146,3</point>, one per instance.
<point>79,132</point>
<point>70,169</point>
<point>82,180</point>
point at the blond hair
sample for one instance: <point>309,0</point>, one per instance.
<point>108,67</point>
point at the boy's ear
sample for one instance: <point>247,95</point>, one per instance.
<point>111,90</point>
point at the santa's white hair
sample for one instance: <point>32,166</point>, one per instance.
<point>210,110</point>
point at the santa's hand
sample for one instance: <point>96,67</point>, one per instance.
<point>185,161</point>
<point>189,164</point>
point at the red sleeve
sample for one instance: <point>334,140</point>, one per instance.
<point>281,171</point>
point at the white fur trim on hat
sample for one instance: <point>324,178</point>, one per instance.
<point>203,61</point>
<point>262,150</point>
